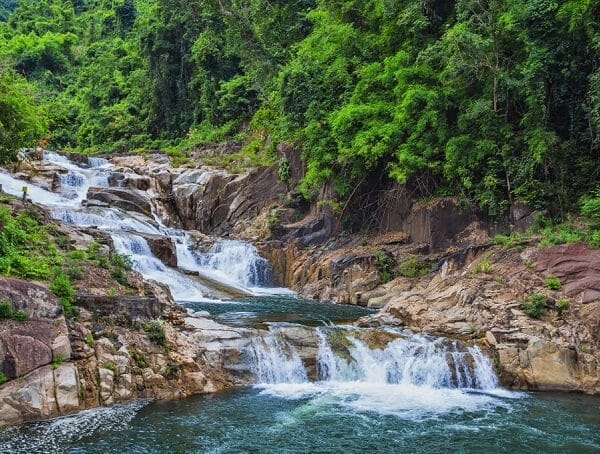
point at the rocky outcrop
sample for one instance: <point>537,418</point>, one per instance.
<point>125,199</point>
<point>556,352</point>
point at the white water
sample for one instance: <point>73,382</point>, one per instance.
<point>234,263</point>
<point>412,377</point>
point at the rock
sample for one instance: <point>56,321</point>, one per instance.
<point>163,248</point>
<point>107,380</point>
<point>131,308</point>
<point>37,301</point>
<point>27,398</point>
<point>125,199</point>
<point>67,388</point>
<point>61,348</point>
<point>25,347</point>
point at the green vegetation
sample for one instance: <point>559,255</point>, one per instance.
<point>534,305</point>
<point>3,378</point>
<point>89,340</point>
<point>7,311</point>
<point>26,249</point>
<point>483,265</point>
<point>494,102</point>
<point>139,359</point>
<point>61,286</point>
<point>413,267</point>
<point>385,264</point>
<point>563,305</point>
<point>553,283</point>
<point>155,332</point>
<point>57,361</point>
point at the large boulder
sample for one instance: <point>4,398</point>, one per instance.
<point>37,301</point>
<point>125,199</point>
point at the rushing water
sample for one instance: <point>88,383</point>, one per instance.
<point>319,386</point>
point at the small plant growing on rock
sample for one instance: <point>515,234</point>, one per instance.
<point>284,170</point>
<point>553,283</point>
<point>483,265</point>
<point>7,311</point>
<point>385,263</point>
<point>139,359</point>
<point>61,287</point>
<point>89,340</point>
<point>3,378</point>
<point>563,305</point>
<point>5,308</point>
<point>534,305</point>
<point>413,267</point>
<point>57,361</point>
<point>155,332</point>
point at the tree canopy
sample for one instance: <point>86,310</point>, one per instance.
<point>491,100</point>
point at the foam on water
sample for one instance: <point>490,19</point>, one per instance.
<point>412,377</point>
<point>53,436</point>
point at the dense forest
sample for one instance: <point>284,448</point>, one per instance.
<point>490,100</point>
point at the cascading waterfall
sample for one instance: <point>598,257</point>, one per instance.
<point>274,360</point>
<point>238,261</point>
<point>143,261</point>
<point>410,360</point>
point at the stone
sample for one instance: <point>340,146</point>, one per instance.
<point>67,388</point>
<point>125,199</point>
<point>107,380</point>
<point>61,348</point>
<point>37,301</point>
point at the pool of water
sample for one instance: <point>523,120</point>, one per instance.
<point>257,312</point>
<point>259,419</point>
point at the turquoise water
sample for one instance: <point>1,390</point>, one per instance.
<point>256,312</point>
<point>255,420</point>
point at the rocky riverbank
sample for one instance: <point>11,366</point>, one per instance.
<point>431,268</point>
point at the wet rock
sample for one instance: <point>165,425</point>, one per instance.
<point>163,248</point>
<point>125,199</point>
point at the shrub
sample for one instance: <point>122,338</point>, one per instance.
<point>553,283</point>
<point>283,170</point>
<point>20,315</point>
<point>590,208</point>
<point>6,309</point>
<point>534,305</point>
<point>483,265</point>
<point>385,263</point>
<point>61,287</point>
<point>89,339</point>
<point>3,378</point>
<point>563,305</point>
<point>413,267</point>
<point>155,332</point>
<point>138,358</point>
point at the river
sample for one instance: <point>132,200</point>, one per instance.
<point>385,390</point>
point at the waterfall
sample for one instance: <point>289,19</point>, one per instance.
<point>342,357</point>
<point>274,360</point>
<point>137,249</point>
<point>238,261</point>
<point>97,162</point>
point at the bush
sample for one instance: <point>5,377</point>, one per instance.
<point>155,332</point>
<point>413,267</point>
<point>283,170</point>
<point>563,305</point>
<point>61,286</point>
<point>590,208</point>
<point>553,283</point>
<point>534,305</point>
<point>6,309</point>
<point>20,316</point>
<point>3,378</point>
<point>385,263</point>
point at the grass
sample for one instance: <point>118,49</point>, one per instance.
<point>483,265</point>
<point>58,360</point>
<point>3,378</point>
<point>534,305</point>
